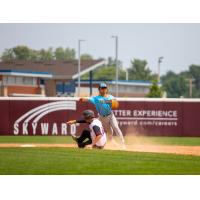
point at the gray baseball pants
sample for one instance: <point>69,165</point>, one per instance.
<point>110,124</point>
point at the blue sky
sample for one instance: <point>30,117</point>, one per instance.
<point>178,43</point>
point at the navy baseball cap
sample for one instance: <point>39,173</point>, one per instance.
<point>88,114</point>
<point>102,85</point>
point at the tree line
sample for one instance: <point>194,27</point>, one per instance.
<point>25,53</point>
<point>183,84</point>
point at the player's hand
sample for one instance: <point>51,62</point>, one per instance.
<point>71,122</point>
<point>83,99</point>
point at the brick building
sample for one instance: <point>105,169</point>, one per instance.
<point>22,83</point>
<point>42,78</point>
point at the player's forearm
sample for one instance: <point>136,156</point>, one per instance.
<point>97,139</point>
<point>81,121</point>
<point>76,121</point>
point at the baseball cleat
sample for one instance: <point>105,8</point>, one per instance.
<point>124,147</point>
<point>113,142</point>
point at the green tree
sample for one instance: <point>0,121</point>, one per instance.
<point>34,55</point>
<point>175,85</point>
<point>59,53</point>
<point>139,70</point>
<point>22,53</point>
<point>194,72</point>
<point>109,73</point>
<point>155,91</point>
<point>19,53</point>
<point>26,53</point>
<point>111,62</point>
<point>106,73</point>
<point>46,55</point>
<point>70,54</point>
<point>64,54</point>
<point>86,57</point>
<point>8,55</point>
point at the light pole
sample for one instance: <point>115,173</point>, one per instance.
<point>159,62</point>
<point>191,80</point>
<point>126,74</point>
<point>116,63</point>
<point>79,66</point>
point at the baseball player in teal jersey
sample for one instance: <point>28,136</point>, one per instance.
<point>102,103</point>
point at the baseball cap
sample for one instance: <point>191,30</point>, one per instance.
<point>88,114</point>
<point>102,85</point>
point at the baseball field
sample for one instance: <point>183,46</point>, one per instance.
<point>59,155</point>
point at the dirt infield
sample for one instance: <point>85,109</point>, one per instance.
<point>172,149</point>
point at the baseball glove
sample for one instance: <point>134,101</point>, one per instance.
<point>114,104</point>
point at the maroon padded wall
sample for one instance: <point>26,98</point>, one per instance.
<point>139,117</point>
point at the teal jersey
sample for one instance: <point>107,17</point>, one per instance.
<point>102,104</point>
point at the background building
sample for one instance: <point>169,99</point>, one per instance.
<point>22,83</point>
<point>125,88</point>
<point>47,78</point>
<point>59,78</point>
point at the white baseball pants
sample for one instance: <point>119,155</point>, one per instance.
<point>110,124</point>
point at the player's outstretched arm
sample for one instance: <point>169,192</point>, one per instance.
<point>71,122</point>
<point>76,121</point>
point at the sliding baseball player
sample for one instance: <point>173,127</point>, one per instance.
<point>95,137</point>
<point>103,104</point>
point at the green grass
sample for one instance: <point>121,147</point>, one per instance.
<point>36,139</point>
<point>186,141</point>
<point>84,161</point>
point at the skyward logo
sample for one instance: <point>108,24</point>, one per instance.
<point>28,123</point>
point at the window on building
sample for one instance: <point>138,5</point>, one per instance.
<point>19,80</point>
<point>65,88</point>
<point>5,80</point>
<point>11,80</point>
<point>27,81</point>
<point>59,87</point>
<point>41,81</point>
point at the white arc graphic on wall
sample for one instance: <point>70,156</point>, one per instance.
<point>43,110</point>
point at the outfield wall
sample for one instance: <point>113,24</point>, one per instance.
<point>141,116</point>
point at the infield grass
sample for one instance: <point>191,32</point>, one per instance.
<point>185,141</point>
<point>84,161</point>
